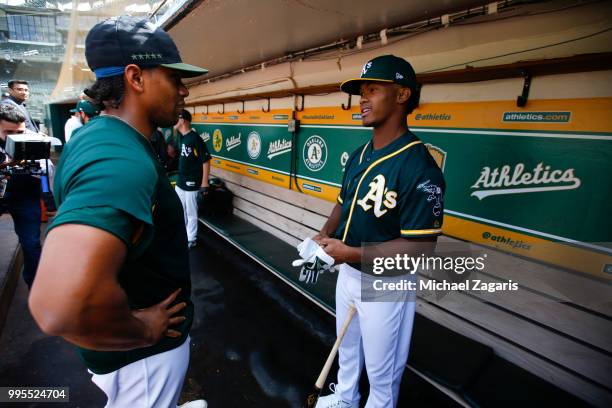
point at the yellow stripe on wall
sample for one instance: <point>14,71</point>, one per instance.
<point>563,255</point>
<point>257,173</point>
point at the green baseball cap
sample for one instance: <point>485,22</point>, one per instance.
<point>86,107</point>
<point>386,68</point>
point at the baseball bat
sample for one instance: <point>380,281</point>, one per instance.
<point>313,397</point>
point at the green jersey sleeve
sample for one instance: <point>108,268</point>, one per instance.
<point>110,174</point>
<point>107,219</point>
<point>421,204</point>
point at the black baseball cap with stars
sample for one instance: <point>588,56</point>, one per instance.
<point>113,44</point>
<point>387,69</point>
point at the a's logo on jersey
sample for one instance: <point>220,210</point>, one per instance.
<point>380,196</point>
<point>315,153</point>
<point>367,66</point>
<point>186,150</point>
<point>434,194</point>
<point>253,145</point>
<point>217,140</point>
<point>438,154</point>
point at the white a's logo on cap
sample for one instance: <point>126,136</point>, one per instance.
<point>367,66</point>
<point>398,76</point>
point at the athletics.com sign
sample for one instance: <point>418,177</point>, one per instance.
<point>541,117</point>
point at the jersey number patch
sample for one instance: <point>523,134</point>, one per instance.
<point>380,196</point>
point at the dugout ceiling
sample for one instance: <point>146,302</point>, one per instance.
<point>225,35</point>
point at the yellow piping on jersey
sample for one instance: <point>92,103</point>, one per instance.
<point>340,200</point>
<point>362,152</point>
<point>421,232</point>
<point>365,173</point>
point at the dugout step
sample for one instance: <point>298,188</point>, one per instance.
<point>230,225</point>
<point>447,357</point>
<point>504,385</point>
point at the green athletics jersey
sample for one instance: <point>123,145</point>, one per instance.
<point>108,178</point>
<point>193,153</point>
<point>389,193</point>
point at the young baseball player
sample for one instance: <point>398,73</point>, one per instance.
<point>391,196</point>
<point>121,291</point>
<point>193,171</point>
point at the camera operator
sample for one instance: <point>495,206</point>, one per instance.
<point>22,195</point>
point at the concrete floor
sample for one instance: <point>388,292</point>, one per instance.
<point>255,342</point>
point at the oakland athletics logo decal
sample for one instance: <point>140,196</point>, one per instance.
<point>217,140</point>
<point>253,145</point>
<point>315,153</point>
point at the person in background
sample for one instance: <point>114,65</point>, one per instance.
<point>72,124</point>
<point>19,92</point>
<point>22,197</point>
<point>84,112</point>
<point>193,172</point>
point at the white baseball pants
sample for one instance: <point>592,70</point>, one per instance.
<point>378,335</point>
<point>152,382</point>
<point>189,199</point>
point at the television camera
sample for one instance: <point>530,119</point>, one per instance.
<point>24,154</point>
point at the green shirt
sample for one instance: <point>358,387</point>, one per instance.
<point>389,193</point>
<point>108,178</point>
<point>193,153</point>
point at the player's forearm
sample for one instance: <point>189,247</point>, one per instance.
<point>331,225</point>
<point>205,173</point>
<point>127,334</point>
<point>98,323</point>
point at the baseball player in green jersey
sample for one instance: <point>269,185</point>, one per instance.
<point>114,274</point>
<point>391,197</point>
<point>193,171</point>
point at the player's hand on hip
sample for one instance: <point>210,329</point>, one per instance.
<point>160,317</point>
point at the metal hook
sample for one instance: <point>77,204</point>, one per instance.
<point>521,101</point>
<point>222,111</point>
<point>348,107</point>
<point>301,108</point>
<point>206,109</point>
<point>242,108</point>
<point>263,109</point>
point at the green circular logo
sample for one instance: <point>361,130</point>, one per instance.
<point>315,153</point>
